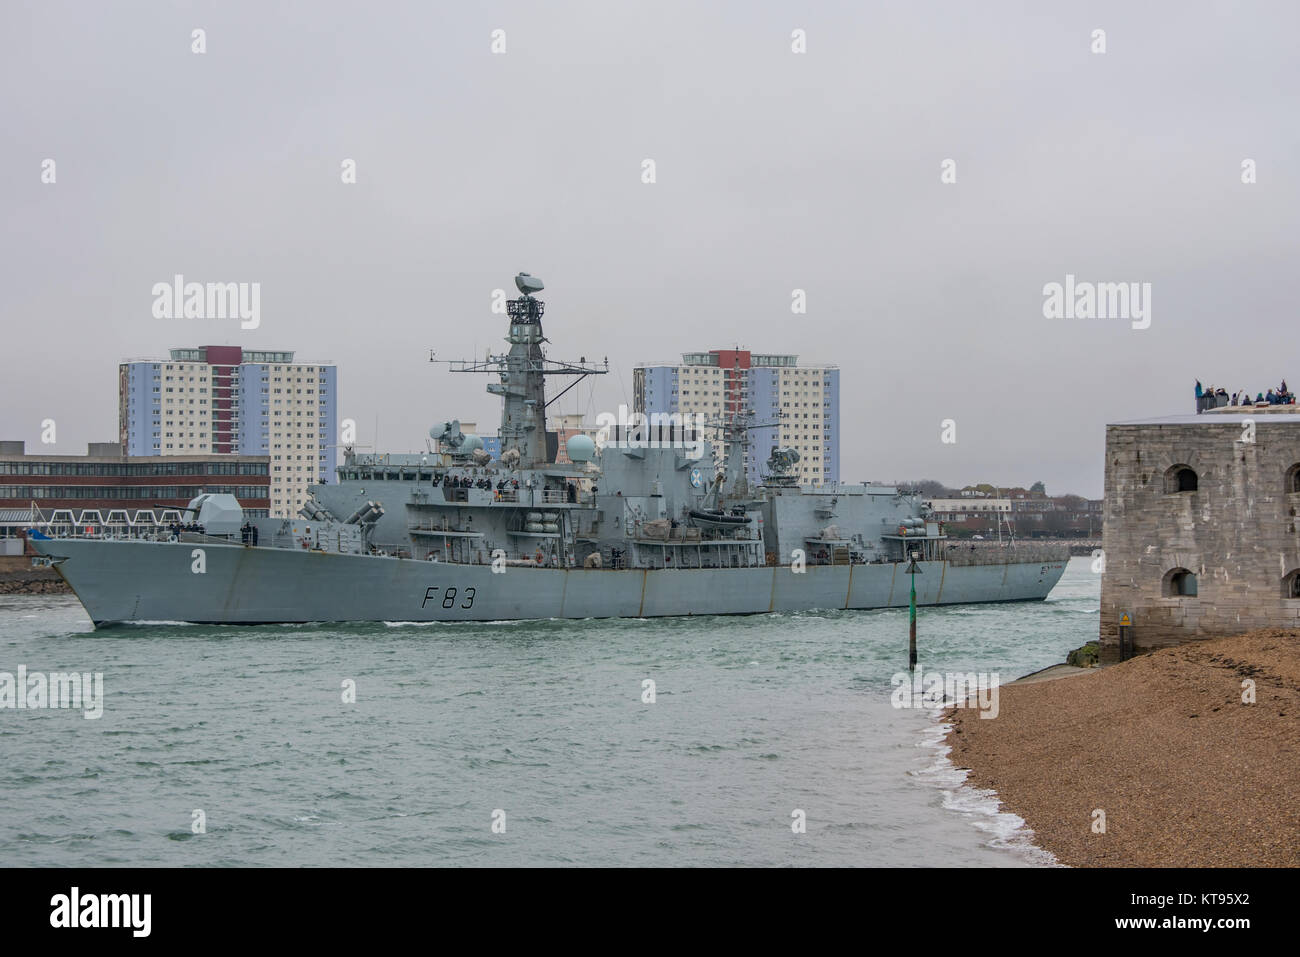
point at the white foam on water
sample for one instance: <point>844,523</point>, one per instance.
<point>437,623</point>
<point>311,820</point>
<point>979,806</point>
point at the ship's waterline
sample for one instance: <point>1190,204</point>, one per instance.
<point>753,718</point>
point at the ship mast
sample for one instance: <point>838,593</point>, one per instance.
<point>523,371</point>
<point>733,428</point>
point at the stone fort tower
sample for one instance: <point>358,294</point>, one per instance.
<point>1202,536</point>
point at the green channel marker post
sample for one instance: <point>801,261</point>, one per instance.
<point>911,633</point>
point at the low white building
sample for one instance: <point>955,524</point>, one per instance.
<point>961,509</point>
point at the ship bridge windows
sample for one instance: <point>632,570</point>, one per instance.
<point>1180,478</point>
<point>1179,583</point>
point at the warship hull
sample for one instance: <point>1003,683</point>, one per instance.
<point>141,581</point>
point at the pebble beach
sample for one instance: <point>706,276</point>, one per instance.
<point>1183,772</point>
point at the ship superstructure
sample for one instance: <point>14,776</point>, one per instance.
<point>640,523</point>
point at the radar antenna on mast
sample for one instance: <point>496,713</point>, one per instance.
<point>523,371</point>
<point>527,284</point>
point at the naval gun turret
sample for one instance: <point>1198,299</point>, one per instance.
<point>217,513</point>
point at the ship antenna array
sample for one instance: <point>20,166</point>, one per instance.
<point>497,363</point>
<point>528,309</point>
<point>735,423</point>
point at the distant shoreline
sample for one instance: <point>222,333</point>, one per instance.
<point>1184,772</point>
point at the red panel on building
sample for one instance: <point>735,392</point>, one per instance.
<point>224,355</point>
<point>732,358</point>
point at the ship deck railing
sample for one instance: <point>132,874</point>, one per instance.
<point>515,497</point>
<point>695,542</point>
<point>145,518</point>
<point>702,553</point>
<point>389,550</point>
<point>157,533</point>
<point>418,528</point>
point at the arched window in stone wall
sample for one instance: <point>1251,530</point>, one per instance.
<point>1179,583</point>
<point>1291,584</point>
<point>1293,478</point>
<point>1180,478</point>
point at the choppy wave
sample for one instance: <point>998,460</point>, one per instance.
<point>407,736</point>
<point>981,807</point>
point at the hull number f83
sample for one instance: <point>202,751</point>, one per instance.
<point>448,597</point>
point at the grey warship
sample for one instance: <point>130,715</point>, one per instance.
<point>641,522</point>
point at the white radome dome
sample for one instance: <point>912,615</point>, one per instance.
<point>581,448</point>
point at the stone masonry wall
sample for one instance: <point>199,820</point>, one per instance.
<point>1237,532</point>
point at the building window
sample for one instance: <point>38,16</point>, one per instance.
<point>1293,478</point>
<point>1291,584</point>
<point>1179,583</point>
<point>1180,478</point>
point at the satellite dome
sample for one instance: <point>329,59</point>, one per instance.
<point>471,443</point>
<point>581,448</point>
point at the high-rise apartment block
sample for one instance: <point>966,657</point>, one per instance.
<point>226,400</point>
<point>792,406</point>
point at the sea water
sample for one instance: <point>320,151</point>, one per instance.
<point>763,740</point>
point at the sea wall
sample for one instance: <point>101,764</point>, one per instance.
<point>18,577</point>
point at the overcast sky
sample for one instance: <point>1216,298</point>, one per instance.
<point>775,171</point>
